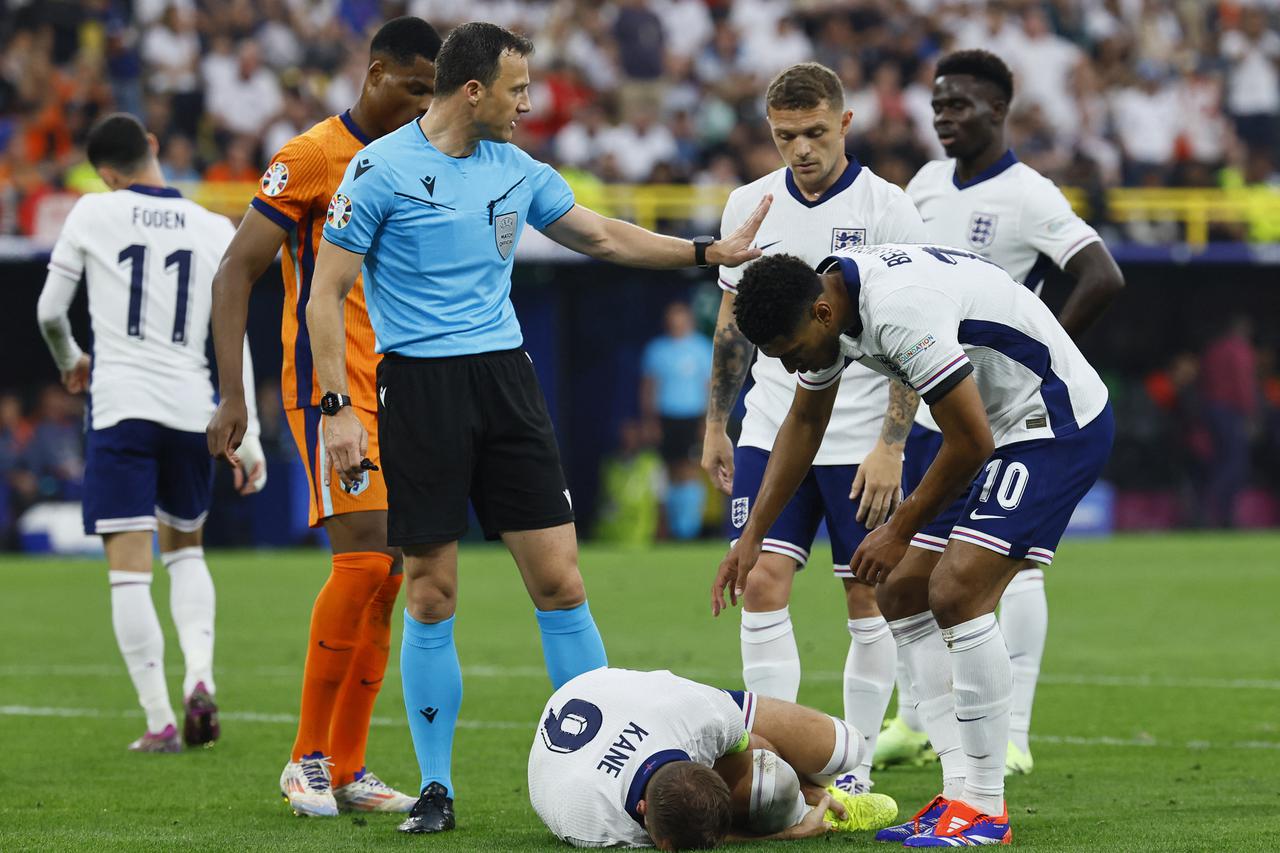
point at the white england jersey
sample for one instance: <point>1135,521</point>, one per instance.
<point>148,256</point>
<point>932,315</point>
<point>604,733</point>
<point>861,208</point>
<point>1010,213</point>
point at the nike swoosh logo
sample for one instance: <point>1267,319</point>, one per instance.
<point>978,517</point>
<point>767,245</point>
<point>367,683</point>
<point>960,719</point>
<point>361,167</point>
<point>334,648</point>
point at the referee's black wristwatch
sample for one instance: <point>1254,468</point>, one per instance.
<point>331,403</point>
<point>700,246</point>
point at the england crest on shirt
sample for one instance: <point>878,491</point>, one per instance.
<point>982,230</point>
<point>847,238</point>
<point>504,233</point>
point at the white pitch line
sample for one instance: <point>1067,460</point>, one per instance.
<point>709,675</point>
<point>289,719</point>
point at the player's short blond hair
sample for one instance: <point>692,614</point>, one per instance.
<point>803,87</point>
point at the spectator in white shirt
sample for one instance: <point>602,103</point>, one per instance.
<point>251,98</point>
<point>1146,120</point>
<point>641,144</point>
<point>1253,93</point>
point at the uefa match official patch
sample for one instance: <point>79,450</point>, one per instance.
<point>339,211</point>
<point>275,179</point>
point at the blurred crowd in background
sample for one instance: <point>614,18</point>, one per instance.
<point>1109,92</point>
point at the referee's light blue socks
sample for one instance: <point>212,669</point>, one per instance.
<point>571,643</point>
<point>432,695</point>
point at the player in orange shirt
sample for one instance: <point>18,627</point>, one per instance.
<point>350,624</point>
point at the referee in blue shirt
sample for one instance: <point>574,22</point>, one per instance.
<point>433,212</point>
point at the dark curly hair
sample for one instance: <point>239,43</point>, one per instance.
<point>773,296</point>
<point>981,64</point>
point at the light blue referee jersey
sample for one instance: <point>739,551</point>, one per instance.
<point>439,236</point>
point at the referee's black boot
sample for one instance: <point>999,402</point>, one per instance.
<point>432,813</point>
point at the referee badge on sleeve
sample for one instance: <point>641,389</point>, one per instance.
<point>504,232</point>
<point>339,211</point>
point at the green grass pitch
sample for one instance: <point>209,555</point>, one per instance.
<point>1157,721</point>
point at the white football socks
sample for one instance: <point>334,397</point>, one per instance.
<point>920,645</point>
<point>846,754</point>
<point>191,601</point>
<point>983,693</point>
<point>907,699</point>
<point>1024,621</point>
<point>770,660</point>
<point>133,615</point>
<point>868,683</point>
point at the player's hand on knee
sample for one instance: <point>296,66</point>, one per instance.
<point>879,485</point>
<point>717,459</point>
<point>732,573</point>
<point>226,429</point>
<point>345,445</point>
<point>878,554</point>
<point>250,472</point>
<point>76,380</point>
<point>814,824</point>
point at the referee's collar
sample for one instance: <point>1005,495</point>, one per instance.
<point>158,192</point>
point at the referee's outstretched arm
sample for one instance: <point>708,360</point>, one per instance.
<point>585,231</point>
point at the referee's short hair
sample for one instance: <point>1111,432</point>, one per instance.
<point>119,141</point>
<point>472,52</point>
<point>402,40</point>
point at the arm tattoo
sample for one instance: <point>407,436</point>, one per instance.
<point>901,413</point>
<point>729,365</point>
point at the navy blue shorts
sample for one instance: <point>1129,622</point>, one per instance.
<point>137,472</point>
<point>921,449</point>
<point>824,494</point>
<point>1023,498</point>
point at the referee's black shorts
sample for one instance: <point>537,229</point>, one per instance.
<point>467,427</point>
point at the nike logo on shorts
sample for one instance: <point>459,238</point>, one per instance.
<point>977,517</point>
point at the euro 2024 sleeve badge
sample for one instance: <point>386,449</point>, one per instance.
<point>275,179</point>
<point>339,211</point>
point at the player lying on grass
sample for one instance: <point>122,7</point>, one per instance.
<point>624,758</point>
<point>1026,429</point>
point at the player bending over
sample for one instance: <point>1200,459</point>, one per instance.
<point>148,256</point>
<point>637,759</point>
<point>1026,430</point>
<point>823,201</point>
<point>350,634</point>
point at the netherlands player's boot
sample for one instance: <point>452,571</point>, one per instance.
<point>200,720</point>
<point>961,825</point>
<point>433,812</point>
<point>922,820</point>
<point>1016,761</point>
<point>165,740</point>
<point>367,793</point>
<point>307,786</point>
<point>900,744</point>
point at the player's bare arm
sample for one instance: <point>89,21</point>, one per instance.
<point>966,445</point>
<point>250,252</point>
<point>51,312</point>
<point>1098,282</point>
<point>794,450</point>
<point>345,439</point>
<point>730,361</point>
<point>587,232</point>
<point>879,477</point>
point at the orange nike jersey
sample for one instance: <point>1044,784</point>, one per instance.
<point>294,193</point>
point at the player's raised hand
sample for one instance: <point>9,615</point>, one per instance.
<point>879,484</point>
<point>76,380</point>
<point>732,573</point>
<point>717,459</point>
<point>879,554</point>
<point>226,429</point>
<point>345,444</point>
<point>738,248</point>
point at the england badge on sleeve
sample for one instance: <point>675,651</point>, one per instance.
<point>847,238</point>
<point>504,232</point>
